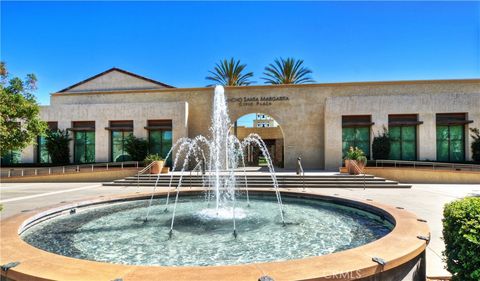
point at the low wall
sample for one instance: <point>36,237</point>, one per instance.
<point>414,270</point>
<point>96,176</point>
<point>419,175</point>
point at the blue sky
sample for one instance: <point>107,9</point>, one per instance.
<point>178,42</point>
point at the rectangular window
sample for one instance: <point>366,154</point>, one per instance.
<point>451,137</point>
<point>120,131</point>
<point>356,133</point>
<point>83,141</point>
<point>450,143</point>
<point>160,137</point>
<point>403,136</point>
<point>11,157</point>
<point>42,152</point>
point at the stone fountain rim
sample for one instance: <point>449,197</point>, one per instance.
<point>398,247</point>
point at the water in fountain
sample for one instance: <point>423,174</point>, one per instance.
<point>222,154</point>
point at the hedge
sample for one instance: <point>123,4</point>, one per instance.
<point>461,233</point>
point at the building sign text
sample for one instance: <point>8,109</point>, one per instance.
<point>262,101</point>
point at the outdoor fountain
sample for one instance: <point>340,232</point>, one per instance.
<point>223,153</point>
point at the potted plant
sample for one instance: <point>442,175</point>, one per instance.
<point>157,161</point>
<point>355,161</point>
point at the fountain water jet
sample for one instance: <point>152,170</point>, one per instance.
<point>224,154</point>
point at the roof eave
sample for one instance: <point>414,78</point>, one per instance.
<point>119,70</point>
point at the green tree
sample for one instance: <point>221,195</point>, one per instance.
<point>20,123</point>
<point>475,146</point>
<point>57,143</point>
<point>230,73</point>
<point>137,148</point>
<point>287,71</point>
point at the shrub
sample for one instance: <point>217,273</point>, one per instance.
<point>152,157</point>
<point>461,232</point>
<point>381,145</point>
<point>137,148</point>
<point>475,144</point>
<point>356,154</point>
<point>57,143</point>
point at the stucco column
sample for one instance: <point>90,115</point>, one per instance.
<point>333,141</point>
<point>28,154</point>
<point>291,147</point>
<point>179,125</point>
<point>102,141</point>
<point>381,121</point>
<point>139,130</point>
<point>427,137</point>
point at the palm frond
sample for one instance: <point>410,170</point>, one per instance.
<point>230,73</point>
<point>287,71</point>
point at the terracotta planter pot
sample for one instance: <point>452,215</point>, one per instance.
<point>349,167</point>
<point>157,167</point>
<point>354,169</point>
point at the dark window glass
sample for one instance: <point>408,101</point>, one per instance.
<point>403,142</point>
<point>160,142</point>
<point>11,157</point>
<point>42,152</point>
<point>84,147</point>
<point>451,137</point>
<point>451,143</point>
<point>118,152</point>
<point>155,142</point>
<point>43,156</point>
<point>356,137</point>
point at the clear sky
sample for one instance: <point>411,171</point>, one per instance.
<point>178,42</point>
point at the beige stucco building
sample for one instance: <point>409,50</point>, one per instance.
<point>314,118</point>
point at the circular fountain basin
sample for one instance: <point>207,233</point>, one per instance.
<point>202,235</point>
<point>323,236</point>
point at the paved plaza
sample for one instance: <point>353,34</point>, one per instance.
<point>425,200</point>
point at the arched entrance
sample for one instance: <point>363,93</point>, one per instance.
<point>269,130</point>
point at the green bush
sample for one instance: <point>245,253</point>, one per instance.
<point>137,148</point>
<point>58,146</point>
<point>381,145</point>
<point>461,232</point>
<point>475,144</point>
<point>152,157</point>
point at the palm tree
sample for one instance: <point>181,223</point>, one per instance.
<point>230,73</point>
<point>287,71</point>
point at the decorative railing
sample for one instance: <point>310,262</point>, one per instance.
<point>427,165</point>
<point>147,168</point>
<point>55,170</point>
